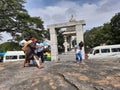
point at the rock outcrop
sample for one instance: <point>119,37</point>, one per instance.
<point>61,75</point>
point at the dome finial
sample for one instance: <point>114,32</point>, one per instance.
<point>72,19</point>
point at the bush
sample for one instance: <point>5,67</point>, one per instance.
<point>10,46</point>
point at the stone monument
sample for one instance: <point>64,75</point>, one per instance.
<point>72,24</point>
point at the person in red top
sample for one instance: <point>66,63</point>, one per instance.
<point>29,52</point>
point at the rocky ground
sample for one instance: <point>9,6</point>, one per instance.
<point>62,75</point>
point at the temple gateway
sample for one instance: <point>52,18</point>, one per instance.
<point>73,28</point>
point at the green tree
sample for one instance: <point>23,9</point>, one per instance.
<point>106,34</point>
<point>9,46</point>
<point>115,29</point>
<point>93,37</point>
<point>60,37</point>
<point>15,20</point>
<point>0,36</point>
<point>10,10</point>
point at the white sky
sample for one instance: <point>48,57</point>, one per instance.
<point>94,12</point>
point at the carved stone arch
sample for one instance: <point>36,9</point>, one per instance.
<point>53,36</point>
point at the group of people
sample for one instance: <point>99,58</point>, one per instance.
<point>33,51</point>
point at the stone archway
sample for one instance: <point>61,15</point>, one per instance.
<point>53,36</point>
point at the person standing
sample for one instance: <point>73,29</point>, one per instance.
<point>78,52</point>
<point>40,51</point>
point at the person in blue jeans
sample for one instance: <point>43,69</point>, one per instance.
<point>78,52</point>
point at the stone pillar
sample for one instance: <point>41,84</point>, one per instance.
<point>71,46</point>
<point>54,48</point>
<point>79,36</point>
<point>65,44</point>
<point>79,33</point>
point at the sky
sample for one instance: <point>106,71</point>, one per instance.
<point>94,12</point>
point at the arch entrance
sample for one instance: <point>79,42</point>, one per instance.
<point>73,28</point>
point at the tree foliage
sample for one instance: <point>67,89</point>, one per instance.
<point>107,34</point>
<point>115,29</point>
<point>93,37</point>
<point>10,11</point>
<point>60,37</point>
<point>9,46</point>
<point>14,19</point>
